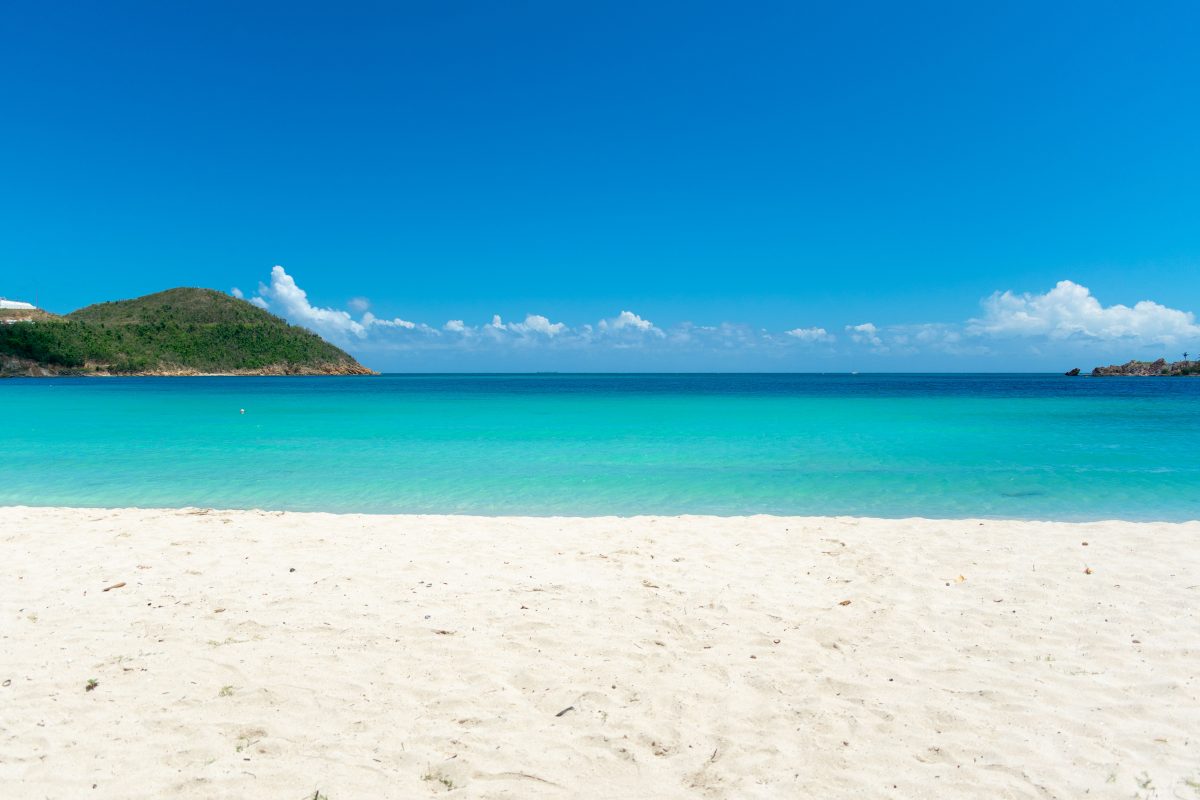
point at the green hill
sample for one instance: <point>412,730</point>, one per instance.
<point>179,331</point>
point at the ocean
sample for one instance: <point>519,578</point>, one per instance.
<point>1010,446</point>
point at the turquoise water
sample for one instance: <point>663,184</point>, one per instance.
<point>880,445</point>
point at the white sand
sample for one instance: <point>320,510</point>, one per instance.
<point>701,657</point>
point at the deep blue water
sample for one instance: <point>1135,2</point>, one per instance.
<point>1029,446</point>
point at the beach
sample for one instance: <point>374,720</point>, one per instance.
<point>195,653</point>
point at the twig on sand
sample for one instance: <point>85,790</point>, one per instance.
<point>530,777</point>
<point>565,710</point>
<point>114,586</point>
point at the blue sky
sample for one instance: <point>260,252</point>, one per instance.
<point>725,173</point>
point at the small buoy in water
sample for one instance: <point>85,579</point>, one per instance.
<point>242,410</point>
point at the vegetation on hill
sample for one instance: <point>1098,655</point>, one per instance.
<point>176,331</point>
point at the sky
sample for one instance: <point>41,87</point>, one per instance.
<point>444,186</point>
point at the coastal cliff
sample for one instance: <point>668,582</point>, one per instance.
<point>183,331</point>
<point>1149,369</point>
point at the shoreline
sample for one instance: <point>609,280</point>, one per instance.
<point>41,372</point>
<point>259,653</point>
<point>467,516</point>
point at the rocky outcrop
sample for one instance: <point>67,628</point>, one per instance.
<point>13,367</point>
<point>11,316</point>
<point>1072,373</point>
<point>25,368</point>
<point>1148,369</point>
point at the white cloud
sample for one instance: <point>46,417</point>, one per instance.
<point>293,303</point>
<point>629,321</point>
<point>236,292</point>
<point>625,331</point>
<point>369,320</point>
<point>931,332</point>
<point>935,337</point>
<point>536,323</point>
<point>866,333</point>
<point>1067,313</point>
<point>1070,311</point>
<point>15,305</point>
<point>811,334</point>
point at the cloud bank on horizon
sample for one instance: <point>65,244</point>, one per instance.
<point>1066,315</point>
